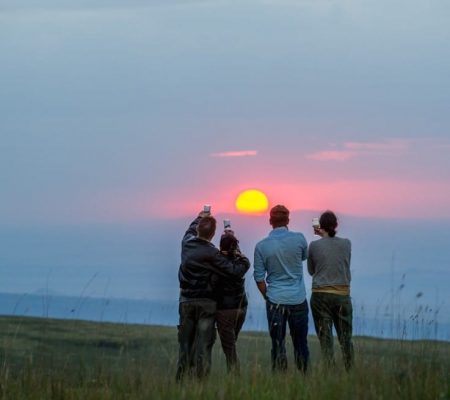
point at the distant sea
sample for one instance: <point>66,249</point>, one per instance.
<point>415,326</point>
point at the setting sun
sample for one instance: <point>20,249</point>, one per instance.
<point>252,202</point>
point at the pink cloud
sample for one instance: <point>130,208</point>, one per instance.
<point>355,149</point>
<point>242,153</point>
<point>333,155</point>
<point>391,145</point>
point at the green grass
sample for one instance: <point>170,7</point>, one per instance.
<point>66,359</point>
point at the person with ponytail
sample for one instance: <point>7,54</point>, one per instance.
<point>329,265</point>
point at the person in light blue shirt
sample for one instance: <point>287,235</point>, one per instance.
<point>278,272</point>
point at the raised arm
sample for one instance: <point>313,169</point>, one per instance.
<point>237,266</point>
<point>192,230</point>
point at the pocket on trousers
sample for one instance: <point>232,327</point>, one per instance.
<point>274,326</point>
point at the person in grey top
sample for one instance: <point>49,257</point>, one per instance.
<point>329,265</point>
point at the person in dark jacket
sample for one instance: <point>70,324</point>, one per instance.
<point>200,260</point>
<point>231,304</point>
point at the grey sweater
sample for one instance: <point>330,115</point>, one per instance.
<point>329,262</point>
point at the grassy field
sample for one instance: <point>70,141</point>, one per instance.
<point>66,359</point>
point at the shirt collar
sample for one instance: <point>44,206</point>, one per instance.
<point>280,229</point>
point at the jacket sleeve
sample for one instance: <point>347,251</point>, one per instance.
<point>191,232</point>
<point>236,267</point>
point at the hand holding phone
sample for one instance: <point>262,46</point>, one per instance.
<point>316,226</point>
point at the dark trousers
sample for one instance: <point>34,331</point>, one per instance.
<point>296,316</point>
<point>332,309</point>
<point>196,336</point>
<point>229,324</point>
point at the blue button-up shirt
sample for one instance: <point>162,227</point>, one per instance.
<point>279,261</point>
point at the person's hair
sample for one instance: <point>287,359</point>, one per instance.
<point>228,243</point>
<point>279,216</point>
<point>206,227</point>
<point>328,222</point>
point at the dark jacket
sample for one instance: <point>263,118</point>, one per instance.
<point>230,291</point>
<point>200,259</point>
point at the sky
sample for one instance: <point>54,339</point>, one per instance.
<point>119,120</point>
<point>113,112</point>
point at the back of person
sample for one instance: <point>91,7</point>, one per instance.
<point>278,273</point>
<point>283,252</point>
<point>229,289</point>
<point>230,293</point>
<point>331,305</point>
<point>231,304</point>
<point>195,279</point>
<point>200,260</point>
<point>331,258</point>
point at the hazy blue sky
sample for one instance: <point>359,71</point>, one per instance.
<point>120,112</point>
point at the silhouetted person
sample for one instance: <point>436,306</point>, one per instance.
<point>279,276</point>
<point>231,304</point>
<point>329,265</point>
<point>200,259</point>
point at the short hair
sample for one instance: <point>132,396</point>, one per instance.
<point>206,227</point>
<point>328,222</point>
<point>279,216</point>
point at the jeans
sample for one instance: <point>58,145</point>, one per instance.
<point>296,316</point>
<point>332,309</point>
<point>196,336</point>
<point>229,324</point>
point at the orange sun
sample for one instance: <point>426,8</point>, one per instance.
<point>252,202</point>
